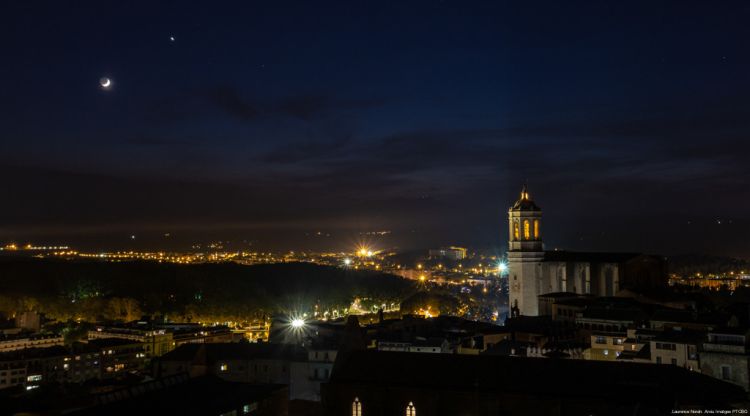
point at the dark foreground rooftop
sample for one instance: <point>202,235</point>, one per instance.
<point>531,378</point>
<point>207,395</point>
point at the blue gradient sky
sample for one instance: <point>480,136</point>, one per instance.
<point>268,121</point>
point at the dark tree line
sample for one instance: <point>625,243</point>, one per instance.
<point>96,290</point>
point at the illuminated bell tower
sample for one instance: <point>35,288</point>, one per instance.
<point>525,255</point>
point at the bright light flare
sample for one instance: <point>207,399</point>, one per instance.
<point>364,251</point>
<point>502,267</point>
<point>298,323</point>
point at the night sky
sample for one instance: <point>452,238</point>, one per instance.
<point>271,121</point>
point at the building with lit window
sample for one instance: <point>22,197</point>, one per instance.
<point>450,253</point>
<point>247,363</point>
<point>22,341</point>
<point>532,271</point>
<point>12,373</point>
<point>77,363</point>
<point>156,342</point>
<point>680,348</point>
<point>119,356</point>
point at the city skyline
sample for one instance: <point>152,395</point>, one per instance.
<point>271,123</point>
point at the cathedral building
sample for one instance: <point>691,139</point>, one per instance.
<point>533,272</point>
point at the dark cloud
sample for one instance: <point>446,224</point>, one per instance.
<point>233,103</point>
<point>228,100</point>
<point>317,149</point>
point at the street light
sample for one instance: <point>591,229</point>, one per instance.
<point>502,267</point>
<point>298,323</point>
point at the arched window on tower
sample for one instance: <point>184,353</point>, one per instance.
<point>411,410</point>
<point>536,229</point>
<point>356,407</point>
<point>526,230</point>
<point>516,231</point>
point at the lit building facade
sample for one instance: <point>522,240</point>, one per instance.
<point>451,253</point>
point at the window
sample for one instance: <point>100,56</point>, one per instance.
<point>356,407</point>
<point>601,340</point>
<point>562,278</point>
<point>658,359</point>
<point>726,372</point>
<point>674,361</point>
<point>587,278</point>
<point>526,230</point>
<point>692,352</point>
<point>411,410</point>
<point>666,346</point>
<point>536,229</point>
<point>516,233</point>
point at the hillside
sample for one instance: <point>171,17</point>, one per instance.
<point>63,288</point>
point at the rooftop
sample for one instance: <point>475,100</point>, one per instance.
<point>525,203</point>
<point>589,257</point>
<point>179,395</point>
<point>212,353</point>
<point>540,376</point>
<point>111,342</point>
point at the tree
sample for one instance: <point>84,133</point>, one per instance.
<point>123,309</point>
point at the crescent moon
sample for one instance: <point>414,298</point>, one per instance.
<point>105,82</point>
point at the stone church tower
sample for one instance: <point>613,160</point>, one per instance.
<point>525,255</point>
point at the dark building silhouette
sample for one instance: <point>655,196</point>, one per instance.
<point>372,383</point>
<point>178,395</point>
